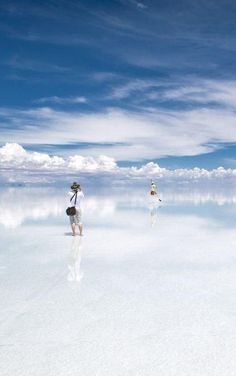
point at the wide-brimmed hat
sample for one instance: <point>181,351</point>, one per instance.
<point>75,185</point>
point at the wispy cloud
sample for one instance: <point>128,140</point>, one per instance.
<point>137,85</point>
<point>103,19</point>
<point>34,65</point>
<point>104,76</point>
<point>125,135</point>
<point>187,90</point>
<point>141,5</point>
<point>58,37</point>
<point>220,92</point>
<point>138,4</point>
<point>62,100</point>
<point>49,10</point>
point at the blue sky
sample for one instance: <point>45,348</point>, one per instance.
<point>138,81</point>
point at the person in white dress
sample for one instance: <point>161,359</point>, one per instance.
<point>153,191</point>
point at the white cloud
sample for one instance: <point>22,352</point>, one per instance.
<point>141,5</point>
<point>138,4</point>
<point>34,65</point>
<point>189,90</point>
<point>124,91</point>
<point>104,76</point>
<point>124,135</point>
<point>147,133</point>
<point>62,100</point>
<point>203,92</point>
<point>152,169</point>
<point>90,164</point>
<point>15,157</point>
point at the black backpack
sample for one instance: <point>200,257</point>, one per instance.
<point>72,210</point>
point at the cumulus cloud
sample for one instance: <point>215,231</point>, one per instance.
<point>14,157</point>
<point>152,169</point>
<point>90,164</point>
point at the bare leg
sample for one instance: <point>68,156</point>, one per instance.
<point>81,229</point>
<point>73,229</point>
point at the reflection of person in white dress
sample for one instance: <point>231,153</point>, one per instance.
<point>153,206</point>
<point>74,261</point>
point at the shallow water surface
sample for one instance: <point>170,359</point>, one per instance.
<point>149,290</point>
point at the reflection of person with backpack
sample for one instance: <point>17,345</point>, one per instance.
<point>154,189</point>
<point>74,262</point>
<point>74,210</point>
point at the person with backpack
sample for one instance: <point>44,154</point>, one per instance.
<point>74,210</point>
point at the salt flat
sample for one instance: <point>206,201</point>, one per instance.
<point>149,290</point>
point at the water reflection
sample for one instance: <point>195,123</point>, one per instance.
<point>153,207</point>
<point>128,268</point>
<point>18,205</point>
<point>74,261</point>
